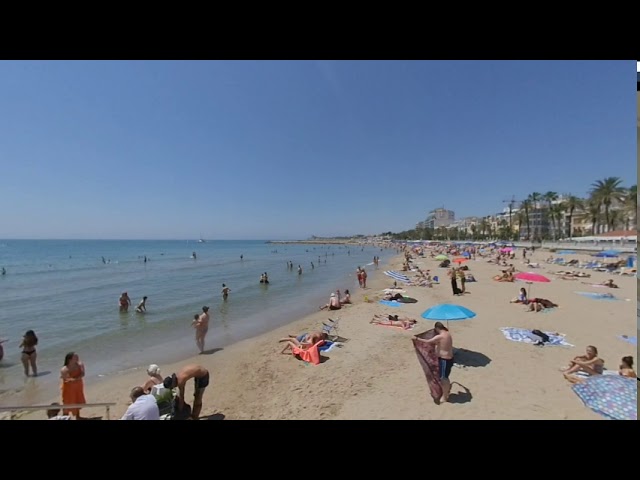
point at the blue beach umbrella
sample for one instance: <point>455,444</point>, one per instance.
<point>607,254</point>
<point>613,396</point>
<point>447,311</point>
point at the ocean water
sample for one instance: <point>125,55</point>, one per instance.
<point>63,291</point>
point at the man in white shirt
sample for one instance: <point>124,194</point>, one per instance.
<point>144,407</point>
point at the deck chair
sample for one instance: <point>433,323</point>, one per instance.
<point>310,354</point>
<point>331,329</point>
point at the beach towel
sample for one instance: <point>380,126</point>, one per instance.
<point>526,336</point>
<point>429,362</point>
<point>390,303</point>
<point>407,300</point>
<point>310,354</point>
<point>631,340</point>
<point>599,296</point>
<point>328,346</point>
<point>395,326</point>
<point>393,291</point>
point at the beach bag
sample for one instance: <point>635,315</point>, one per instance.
<point>176,413</point>
<point>542,335</point>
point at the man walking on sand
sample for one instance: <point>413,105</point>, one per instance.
<point>444,349</point>
<point>200,377</point>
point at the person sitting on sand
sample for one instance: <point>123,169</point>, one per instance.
<point>609,283</point>
<point>393,321</point>
<point>521,298</point>
<point>626,368</point>
<point>589,363</point>
<point>154,378</point>
<point>539,304</point>
<point>504,277</point>
<point>54,413</point>
<point>303,341</point>
<point>334,303</point>
<point>346,299</point>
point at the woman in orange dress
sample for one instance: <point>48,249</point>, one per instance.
<point>72,384</point>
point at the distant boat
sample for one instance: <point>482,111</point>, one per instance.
<point>202,240</point>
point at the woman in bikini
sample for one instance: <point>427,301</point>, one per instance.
<point>29,355</point>
<point>626,368</point>
<point>589,363</point>
<point>393,321</point>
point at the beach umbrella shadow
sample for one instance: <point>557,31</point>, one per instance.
<point>469,358</point>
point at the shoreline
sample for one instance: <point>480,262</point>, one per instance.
<point>99,382</point>
<point>375,373</point>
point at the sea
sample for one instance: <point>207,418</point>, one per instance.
<point>67,291</point>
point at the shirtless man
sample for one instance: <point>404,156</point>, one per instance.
<point>334,303</point>
<point>200,377</point>
<point>444,349</point>
<point>202,327</point>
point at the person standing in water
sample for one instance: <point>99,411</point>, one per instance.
<point>29,354</point>
<point>225,291</point>
<point>124,302</point>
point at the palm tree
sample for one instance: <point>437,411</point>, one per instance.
<point>526,207</point>
<point>571,204</point>
<point>551,197</point>
<point>555,214</point>
<point>605,192</point>
<point>593,209</point>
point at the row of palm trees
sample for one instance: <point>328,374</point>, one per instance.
<point>609,206</point>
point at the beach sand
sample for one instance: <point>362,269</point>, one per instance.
<point>375,373</point>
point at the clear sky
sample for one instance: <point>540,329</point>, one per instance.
<point>290,149</point>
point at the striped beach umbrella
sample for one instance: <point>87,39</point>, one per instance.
<point>397,276</point>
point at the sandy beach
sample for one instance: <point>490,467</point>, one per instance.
<point>375,373</point>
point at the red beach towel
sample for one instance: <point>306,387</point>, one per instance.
<point>429,362</point>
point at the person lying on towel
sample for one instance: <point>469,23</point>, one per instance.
<point>393,321</point>
<point>304,340</point>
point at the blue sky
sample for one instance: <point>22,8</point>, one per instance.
<point>289,149</point>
